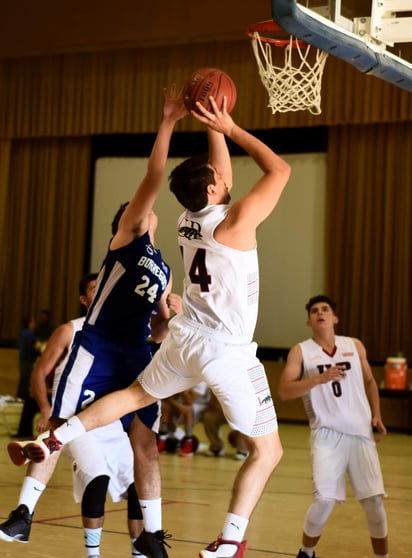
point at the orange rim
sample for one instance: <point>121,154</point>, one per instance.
<point>283,38</point>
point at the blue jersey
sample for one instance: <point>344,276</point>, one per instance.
<point>130,284</point>
<point>112,349</point>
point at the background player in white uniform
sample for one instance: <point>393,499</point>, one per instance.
<point>93,472</point>
<point>211,340</point>
<point>333,376</point>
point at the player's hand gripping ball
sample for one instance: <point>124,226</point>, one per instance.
<point>206,82</point>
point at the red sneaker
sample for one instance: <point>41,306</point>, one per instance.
<point>37,450</point>
<point>222,548</point>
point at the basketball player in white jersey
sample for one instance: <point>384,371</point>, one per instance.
<point>212,339</point>
<point>341,398</point>
<point>93,472</point>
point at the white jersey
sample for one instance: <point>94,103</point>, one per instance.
<point>77,324</point>
<point>340,406</point>
<point>221,283</point>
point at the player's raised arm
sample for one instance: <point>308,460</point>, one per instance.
<point>238,229</point>
<point>134,221</point>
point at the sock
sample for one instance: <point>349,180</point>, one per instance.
<point>69,430</point>
<point>235,527</point>
<point>152,514</point>
<point>92,541</point>
<point>189,431</point>
<point>309,550</point>
<point>381,555</point>
<point>30,493</point>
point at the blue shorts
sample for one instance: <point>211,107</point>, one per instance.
<point>97,367</point>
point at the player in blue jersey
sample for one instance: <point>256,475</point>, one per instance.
<point>131,302</point>
<point>212,339</point>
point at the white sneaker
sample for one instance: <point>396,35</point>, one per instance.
<point>241,455</point>
<point>37,450</point>
<point>214,453</point>
<point>224,549</point>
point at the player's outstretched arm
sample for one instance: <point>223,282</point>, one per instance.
<point>55,350</point>
<point>134,221</point>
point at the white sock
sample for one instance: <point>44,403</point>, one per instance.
<point>381,555</point>
<point>152,514</point>
<point>30,492</point>
<point>309,550</point>
<point>235,527</point>
<point>92,541</point>
<point>68,431</point>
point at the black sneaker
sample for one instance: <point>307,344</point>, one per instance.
<point>304,555</point>
<point>17,527</point>
<point>152,544</point>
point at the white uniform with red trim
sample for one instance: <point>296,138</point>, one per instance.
<point>211,340</point>
<point>341,422</point>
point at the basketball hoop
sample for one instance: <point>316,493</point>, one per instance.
<point>297,84</point>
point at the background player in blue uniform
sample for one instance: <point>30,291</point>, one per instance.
<point>130,303</point>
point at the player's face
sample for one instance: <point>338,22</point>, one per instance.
<point>90,289</point>
<point>321,315</point>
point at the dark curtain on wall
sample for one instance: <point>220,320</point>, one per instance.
<point>44,218</point>
<point>369,234</point>
<point>52,105</point>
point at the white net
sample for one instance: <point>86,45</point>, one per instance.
<point>296,85</point>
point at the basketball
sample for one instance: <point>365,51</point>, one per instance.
<point>209,81</point>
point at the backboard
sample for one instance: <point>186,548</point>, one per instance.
<point>375,36</point>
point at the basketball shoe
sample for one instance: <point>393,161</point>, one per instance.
<point>222,548</point>
<point>152,544</point>
<point>37,450</point>
<point>214,453</point>
<point>304,555</point>
<point>161,443</point>
<point>17,527</point>
<point>188,446</point>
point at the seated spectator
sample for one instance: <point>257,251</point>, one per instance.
<point>213,419</point>
<point>185,408</point>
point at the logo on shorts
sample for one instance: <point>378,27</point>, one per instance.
<point>266,400</point>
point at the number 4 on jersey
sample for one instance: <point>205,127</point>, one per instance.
<point>198,272</point>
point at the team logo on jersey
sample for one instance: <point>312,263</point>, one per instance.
<point>149,249</point>
<point>190,230</point>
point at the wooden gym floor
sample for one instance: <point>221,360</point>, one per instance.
<point>195,496</point>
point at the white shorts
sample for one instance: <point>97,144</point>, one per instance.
<point>192,353</point>
<point>334,454</point>
<point>102,451</point>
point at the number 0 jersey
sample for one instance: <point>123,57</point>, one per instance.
<point>221,283</point>
<point>340,406</point>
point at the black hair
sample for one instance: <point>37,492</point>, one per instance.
<point>189,181</point>
<point>320,298</point>
<point>84,281</point>
<point>116,218</point>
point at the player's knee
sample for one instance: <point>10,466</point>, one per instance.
<point>375,516</point>
<point>134,511</point>
<point>94,497</point>
<point>268,451</point>
<point>317,515</point>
